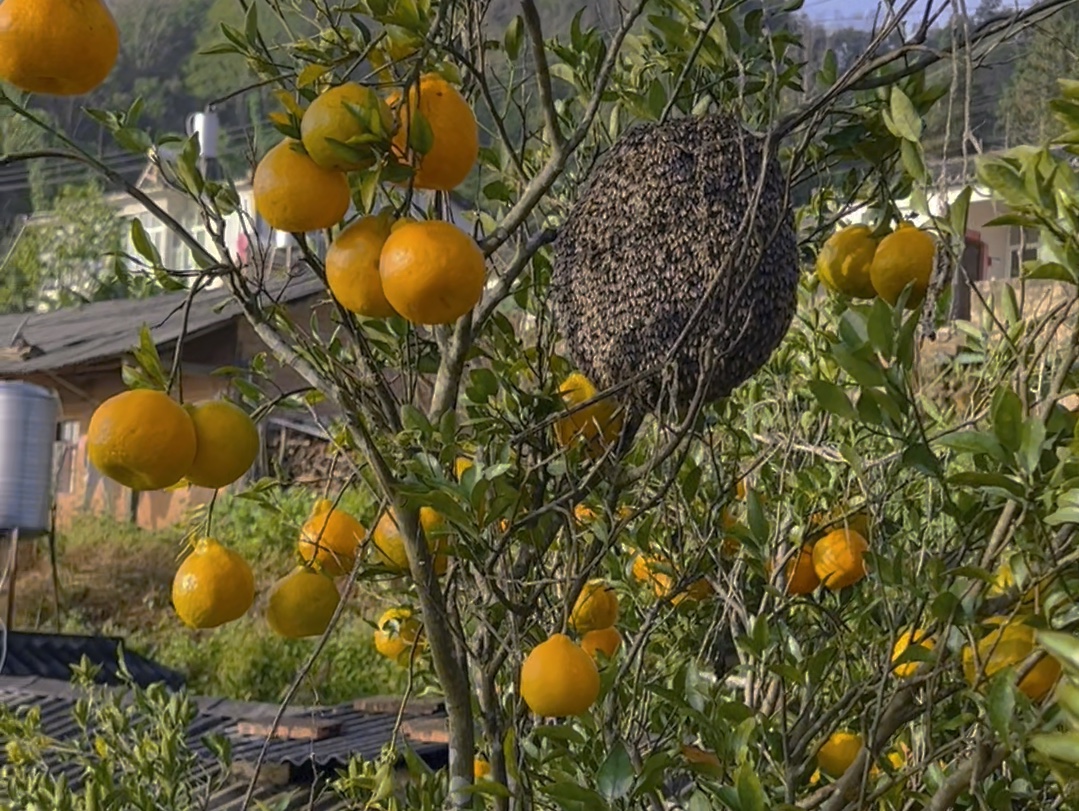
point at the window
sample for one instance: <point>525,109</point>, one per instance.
<point>1022,247</point>
<point>182,258</point>
<point>67,443</point>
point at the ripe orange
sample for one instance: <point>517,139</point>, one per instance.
<point>398,632</point>
<point>293,193</point>
<point>905,255</point>
<point>838,753</point>
<point>481,769</point>
<point>142,439</point>
<point>432,271</point>
<point>212,586</point>
<point>57,47</point>
<point>843,263</point>
<point>454,133</point>
<point>910,636</point>
<point>650,570</point>
<point>559,679</point>
<point>801,576</point>
<point>390,545</point>
<point>596,607</point>
<point>608,640</point>
<point>327,119</point>
<point>331,538</point>
<point>597,425</point>
<point>1009,645</point>
<point>226,443</point>
<point>302,604</point>
<point>460,465</point>
<point>352,267</point>
<point>839,559</point>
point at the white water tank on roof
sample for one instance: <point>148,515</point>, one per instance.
<point>28,419</point>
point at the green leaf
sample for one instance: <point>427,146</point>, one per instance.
<point>907,122</point>
<point>1001,704</point>
<point>615,777</point>
<point>310,74</point>
<point>141,240</point>
<point>565,790</point>
<point>1065,515</point>
<point>251,24</point>
<point>972,442</point>
<point>832,398</point>
<point>919,457</point>
<point>1007,415</point>
<point>511,41</point>
<point>420,135</point>
<point>879,327</point>
<point>1031,442</point>
<point>414,420</point>
<point>910,153</point>
<point>866,372</point>
<point>1063,647</point>
<point>1062,746</point>
<point>750,794</point>
<point>1053,271</point>
<point>959,211</point>
<point>992,482</point>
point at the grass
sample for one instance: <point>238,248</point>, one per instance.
<point>116,579</point>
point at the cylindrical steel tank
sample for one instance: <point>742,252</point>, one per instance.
<point>28,418</point>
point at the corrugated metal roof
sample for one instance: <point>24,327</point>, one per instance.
<point>106,329</point>
<point>51,656</point>
<point>362,733</point>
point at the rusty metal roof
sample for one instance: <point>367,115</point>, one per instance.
<point>65,338</point>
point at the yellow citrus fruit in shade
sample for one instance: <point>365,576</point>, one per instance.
<point>460,465</point>
<point>596,607</point>
<point>800,575</point>
<point>454,133</point>
<point>559,679</point>
<point>212,586</point>
<point>740,490</point>
<point>843,263</point>
<point>390,545</point>
<point>331,537</point>
<point>432,272</point>
<point>57,47</point>
<point>1003,581</point>
<point>838,518</point>
<point>597,425</point>
<point>608,640</point>
<point>352,267</point>
<point>481,769</point>
<point>302,604</point>
<point>838,753</point>
<point>398,632</point>
<point>226,443</point>
<point>839,558</point>
<point>142,439</point>
<point>1009,645</point>
<point>328,119</point>
<point>293,193</point>
<point>650,570</point>
<point>905,640</point>
<point>904,256</point>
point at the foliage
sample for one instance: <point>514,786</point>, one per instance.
<point>854,413</point>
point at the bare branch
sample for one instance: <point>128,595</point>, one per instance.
<point>543,74</point>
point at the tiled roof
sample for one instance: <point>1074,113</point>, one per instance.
<point>107,329</point>
<point>306,763</point>
<point>51,656</point>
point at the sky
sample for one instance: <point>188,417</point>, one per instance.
<point>860,13</point>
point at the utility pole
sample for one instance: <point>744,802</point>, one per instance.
<point>207,126</point>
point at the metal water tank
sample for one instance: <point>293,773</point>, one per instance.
<point>28,418</point>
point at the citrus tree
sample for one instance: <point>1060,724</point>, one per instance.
<point>667,495</point>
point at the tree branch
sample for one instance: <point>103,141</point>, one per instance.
<point>543,74</point>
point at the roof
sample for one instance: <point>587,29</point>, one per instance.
<point>308,762</point>
<point>108,329</point>
<point>52,656</point>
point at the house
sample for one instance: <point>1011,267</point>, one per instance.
<point>79,352</point>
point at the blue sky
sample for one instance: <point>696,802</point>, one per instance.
<point>860,13</point>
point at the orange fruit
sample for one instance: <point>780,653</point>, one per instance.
<point>844,260</point>
<point>1009,645</point>
<point>331,537</point>
<point>596,607</point>
<point>904,641</point>
<point>390,545</point>
<point>906,255</point>
<point>559,679</point>
<point>212,586</point>
<point>399,631</point>
<point>460,465</point>
<point>226,443</point>
<point>302,603</point>
<point>142,439</point>
<point>328,119</point>
<point>838,753</point>
<point>801,576</point>
<point>608,640</point>
<point>432,272</point>
<point>597,425</point>
<point>839,558</point>
<point>481,769</point>
<point>352,267</point>
<point>838,518</point>
<point>293,193</point>
<point>648,570</point>
<point>57,47</point>
<point>455,143</point>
